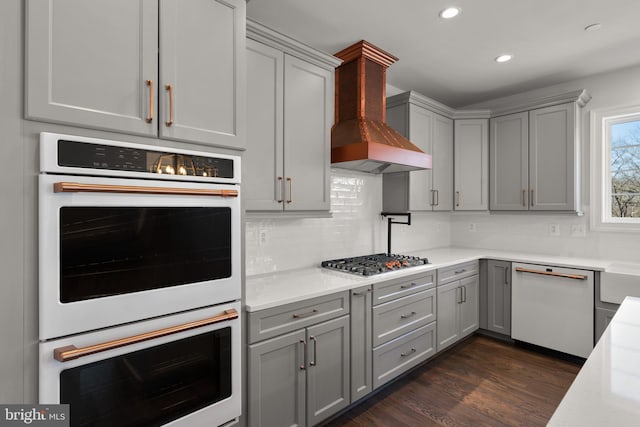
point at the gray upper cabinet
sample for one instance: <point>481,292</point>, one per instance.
<point>471,162</point>
<point>202,71</point>
<point>88,64</point>
<point>535,158</point>
<point>509,162</point>
<point>423,190</point>
<point>289,115</point>
<point>553,159</point>
<point>97,64</point>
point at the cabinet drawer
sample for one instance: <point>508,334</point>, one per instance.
<point>399,355</point>
<point>456,272</point>
<point>275,321</point>
<point>395,318</point>
<point>393,289</point>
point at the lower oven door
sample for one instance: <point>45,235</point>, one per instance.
<point>182,369</point>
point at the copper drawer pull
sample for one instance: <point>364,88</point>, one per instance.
<point>551,273</point>
<point>76,187</point>
<point>303,315</point>
<point>460,271</point>
<point>410,285</point>
<point>150,84</point>
<point>170,89</point>
<point>71,352</point>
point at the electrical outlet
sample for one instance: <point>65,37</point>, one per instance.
<point>262,237</point>
<point>472,227</point>
<point>578,230</point>
<point>554,229</point>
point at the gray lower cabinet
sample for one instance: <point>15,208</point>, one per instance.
<point>300,377</point>
<point>171,68</point>
<point>499,297</point>
<point>458,310</point>
<point>361,327</point>
<point>277,381</point>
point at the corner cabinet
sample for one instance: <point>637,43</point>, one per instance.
<point>106,72</point>
<point>471,161</point>
<point>423,190</point>
<point>535,157</point>
<point>290,112</point>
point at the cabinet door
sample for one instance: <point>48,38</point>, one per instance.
<point>552,154</point>
<point>499,296</point>
<point>471,163</point>
<point>469,309</point>
<point>509,162</point>
<point>202,57</point>
<point>360,315</point>
<point>277,379</point>
<point>262,162</point>
<point>420,181</point>
<point>448,325</point>
<point>442,172</point>
<point>327,369</point>
<point>88,63</point>
<point>308,115</point>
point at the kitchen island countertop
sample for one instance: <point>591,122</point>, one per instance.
<point>606,391</point>
<point>278,288</point>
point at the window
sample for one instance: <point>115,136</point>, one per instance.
<point>615,160</point>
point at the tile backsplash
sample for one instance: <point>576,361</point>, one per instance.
<point>355,228</point>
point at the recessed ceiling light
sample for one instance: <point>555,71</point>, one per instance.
<point>450,12</point>
<point>593,27</point>
<point>504,58</point>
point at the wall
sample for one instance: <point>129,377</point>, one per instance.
<point>356,228</point>
<point>531,232</point>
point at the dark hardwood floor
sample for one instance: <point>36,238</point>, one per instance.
<point>480,382</point>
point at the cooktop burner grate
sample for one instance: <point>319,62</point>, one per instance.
<point>369,265</point>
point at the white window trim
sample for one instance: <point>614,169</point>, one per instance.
<point>600,155</point>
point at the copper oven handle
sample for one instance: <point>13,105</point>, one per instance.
<point>170,89</point>
<point>281,190</point>
<point>290,199</point>
<point>150,84</point>
<point>71,352</point>
<point>551,273</point>
<point>76,187</point>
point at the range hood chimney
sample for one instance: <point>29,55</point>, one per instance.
<point>360,138</point>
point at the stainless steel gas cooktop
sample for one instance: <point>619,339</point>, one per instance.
<point>369,265</point>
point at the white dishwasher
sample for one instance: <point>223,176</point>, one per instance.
<point>552,307</point>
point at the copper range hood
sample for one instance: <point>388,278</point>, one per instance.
<point>360,138</point>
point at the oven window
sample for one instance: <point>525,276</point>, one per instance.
<point>108,251</point>
<point>150,387</point>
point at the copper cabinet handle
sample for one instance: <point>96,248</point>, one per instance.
<point>150,84</point>
<point>459,298</point>
<point>290,180</point>
<point>315,351</point>
<point>464,293</point>
<point>433,197</point>
<point>532,197</point>
<point>303,315</point>
<point>460,271</point>
<point>524,195</point>
<point>170,89</point>
<point>410,285</point>
<point>406,316</point>
<point>281,190</point>
<point>71,352</point>
<point>303,365</point>
<point>457,199</point>
<point>551,273</point>
<point>413,350</point>
<point>76,187</point>
<point>437,197</point>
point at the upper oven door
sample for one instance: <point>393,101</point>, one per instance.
<point>133,249</point>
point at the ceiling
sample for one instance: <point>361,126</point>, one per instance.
<point>452,60</point>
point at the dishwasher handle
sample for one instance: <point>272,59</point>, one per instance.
<point>551,273</point>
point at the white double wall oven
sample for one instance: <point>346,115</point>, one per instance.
<point>139,283</point>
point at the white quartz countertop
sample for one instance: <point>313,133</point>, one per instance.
<point>274,289</point>
<point>606,391</point>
